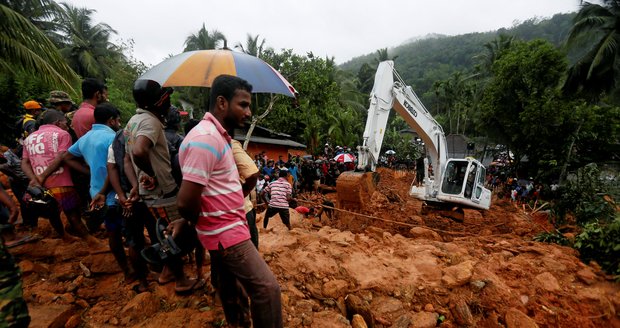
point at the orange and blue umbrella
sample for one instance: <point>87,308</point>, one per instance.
<point>199,69</point>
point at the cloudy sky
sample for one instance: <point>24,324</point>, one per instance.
<point>340,28</point>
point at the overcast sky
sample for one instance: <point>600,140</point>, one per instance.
<point>340,28</point>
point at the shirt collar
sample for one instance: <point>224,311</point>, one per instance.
<point>86,105</point>
<point>210,118</point>
<point>97,126</point>
<point>144,111</point>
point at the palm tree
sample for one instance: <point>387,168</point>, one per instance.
<point>344,127</point>
<point>597,29</point>
<point>252,46</point>
<point>312,132</point>
<point>205,40</point>
<point>41,13</point>
<point>86,47</point>
<point>382,55</point>
<point>494,50</point>
<point>24,47</point>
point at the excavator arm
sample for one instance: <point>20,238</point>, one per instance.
<point>355,187</point>
<point>387,94</point>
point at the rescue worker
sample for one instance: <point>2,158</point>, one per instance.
<point>28,123</point>
<point>61,101</point>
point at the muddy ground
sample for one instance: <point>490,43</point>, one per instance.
<point>426,270</point>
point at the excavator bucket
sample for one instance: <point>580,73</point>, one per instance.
<point>354,189</point>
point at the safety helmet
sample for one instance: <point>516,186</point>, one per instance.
<point>149,94</point>
<point>32,105</point>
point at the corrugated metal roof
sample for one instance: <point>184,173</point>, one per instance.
<point>272,141</point>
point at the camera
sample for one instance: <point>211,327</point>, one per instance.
<point>39,197</point>
<point>158,253</point>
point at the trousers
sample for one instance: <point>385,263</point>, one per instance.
<point>241,264</point>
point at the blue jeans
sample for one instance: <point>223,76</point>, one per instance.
<point>243,264</point>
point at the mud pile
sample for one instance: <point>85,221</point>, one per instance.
<point>391,267</point>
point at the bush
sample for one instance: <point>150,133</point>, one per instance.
<point>555,237</point>
<point>600,241</point>
<point>583,195</point>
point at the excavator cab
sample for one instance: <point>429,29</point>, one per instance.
<point>463,182</point>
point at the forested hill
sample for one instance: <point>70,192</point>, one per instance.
<point>422,62</point>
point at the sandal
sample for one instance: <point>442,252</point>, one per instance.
<point>198,284</point>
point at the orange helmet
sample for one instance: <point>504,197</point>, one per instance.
<point>32,105</point>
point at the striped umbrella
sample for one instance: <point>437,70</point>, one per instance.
<point>344,158</point>
<point>199,68</point>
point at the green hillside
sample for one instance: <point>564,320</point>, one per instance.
<point>425,61</point>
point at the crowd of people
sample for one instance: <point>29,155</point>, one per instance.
<point>304,173</point>
<point>195,190</point>
<point>520,191</point>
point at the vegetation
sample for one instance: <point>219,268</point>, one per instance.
<point>599,241</point>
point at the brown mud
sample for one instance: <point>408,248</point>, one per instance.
<point>429,270</point>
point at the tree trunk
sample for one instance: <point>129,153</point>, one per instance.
<point>257,119</point>
<point>570,151</point>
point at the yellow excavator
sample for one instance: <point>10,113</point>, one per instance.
<point>453,181</point>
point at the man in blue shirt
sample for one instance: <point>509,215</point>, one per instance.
<point>93,148</point>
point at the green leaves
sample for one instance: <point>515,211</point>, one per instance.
<point>600,241</point>
<point>205,40</point>
<point>25,48</point>
<point>596,29</point>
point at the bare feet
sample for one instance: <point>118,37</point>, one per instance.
<point>165,276</point>
<point>67,238</point>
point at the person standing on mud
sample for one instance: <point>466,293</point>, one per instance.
<point>42,163</point>
<point>211,198</point>
<point>93,148</point>
<point>248,175</point>
<point>147,150</point>
<point>281,193</point>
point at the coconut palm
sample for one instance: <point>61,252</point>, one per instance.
<point>382,55</point>
<point>41,13</point>
<point>344,127</point>
<point>252,46</point>
<point>494,50</point>
<point>24,47</point>
<point>205,40</point>
<point>597,30</point>
<point>86,46</point>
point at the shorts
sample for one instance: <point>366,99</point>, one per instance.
<point>67,198</point>
<point>164,208</point>
<point>113,219</point>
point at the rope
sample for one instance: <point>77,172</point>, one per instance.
<point>386,220</point>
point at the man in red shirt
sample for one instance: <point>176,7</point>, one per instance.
<point>94,92</point>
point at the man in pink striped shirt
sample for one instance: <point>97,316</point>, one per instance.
<point>280,192</point>
<point>211,197</point>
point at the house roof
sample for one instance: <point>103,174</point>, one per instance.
<point>271,141</point>
<point>267,136</point>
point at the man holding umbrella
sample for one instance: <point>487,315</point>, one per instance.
<point>211,197</point>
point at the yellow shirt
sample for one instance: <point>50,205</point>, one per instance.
<point>246,168</point>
